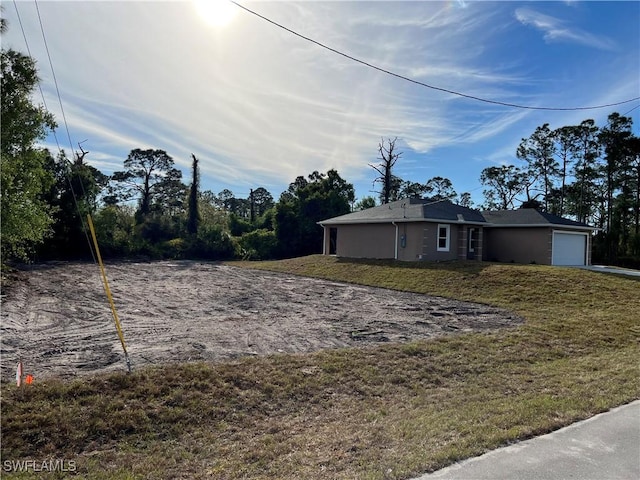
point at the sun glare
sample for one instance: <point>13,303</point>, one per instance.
<point>217,13</point>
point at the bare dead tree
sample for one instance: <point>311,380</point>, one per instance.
<point>388,158</point>
<point>80,156</point>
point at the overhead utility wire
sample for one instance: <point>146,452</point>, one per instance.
<point>433,87</point>
<point>55,80</point>
<point>66,125</point>
<point>89,221</point>
<point>44,102</point>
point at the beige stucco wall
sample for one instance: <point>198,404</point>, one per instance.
<point>413,233</point>
<point>430,243</point>
<point>379,241</point>
<point>366,241</point>
<point>519,245</point>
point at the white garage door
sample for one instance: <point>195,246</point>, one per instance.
<point>569,248</point>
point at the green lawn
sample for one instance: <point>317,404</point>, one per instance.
<point>388,412</point>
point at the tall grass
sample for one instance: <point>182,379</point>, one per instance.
<point>388,412</point>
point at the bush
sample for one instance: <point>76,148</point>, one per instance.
<point>238,226</point>
<point>115,231</point>
<point>212,243</point>
<point>174,248</point>
<point>258,245</point>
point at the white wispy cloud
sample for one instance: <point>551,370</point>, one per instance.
<point>259,106</point>
<point>557,30</point>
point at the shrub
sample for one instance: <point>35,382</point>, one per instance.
<point>212,243</point>
<point>258,245</point>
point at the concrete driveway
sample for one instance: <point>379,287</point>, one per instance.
<point>604,447</point>
<point>618,271</point>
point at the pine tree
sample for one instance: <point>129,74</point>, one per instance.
<point>193,221</point>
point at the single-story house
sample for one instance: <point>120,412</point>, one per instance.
<point>437,230</point>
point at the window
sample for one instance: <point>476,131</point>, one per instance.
<point>443,238</point>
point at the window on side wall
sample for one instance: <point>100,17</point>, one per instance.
<point>443,238</point>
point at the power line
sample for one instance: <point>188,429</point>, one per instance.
<point>629,111</point>
<point>44,102</point>
<point>61,152</point>
<point>53,72</point>
<point>433,87</point>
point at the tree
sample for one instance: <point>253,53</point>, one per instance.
<point>115,229</point>
<point>365,202</point>
<point>634,144</point>
<point>505,184</point>
<point>73,195</point>
<point>237,206</point>
<point>565,141</point>
<point>615,139</point>
<point>538,152</point>
<point>388,158</point>
<point>465,200</point>
<point>210,210</point>
<point>26,217</point>
<point>586,150</point>
<point>193,219</point>
<point>305,203</point>
<point>440,188</point>
<point>151,176</point>
<point>262,201</point>
<point>410,189</point>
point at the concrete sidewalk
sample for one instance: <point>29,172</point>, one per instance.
<point>604,447</point>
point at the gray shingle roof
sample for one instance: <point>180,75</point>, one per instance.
<point>411,210</point>
<point>528,217</point>
<point>425,209</point>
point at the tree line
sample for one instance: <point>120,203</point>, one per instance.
<point>585,172</point>
<point>147,209</point>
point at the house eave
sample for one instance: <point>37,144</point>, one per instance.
<point>459,222</point>
<point>400,220</point>
<point>541,225</point>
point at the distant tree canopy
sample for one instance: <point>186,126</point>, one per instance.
<point>504,184</point>
<point>364,203</point>
<point>261,200</point>
<point>149,176</point>
<point>306,202</point>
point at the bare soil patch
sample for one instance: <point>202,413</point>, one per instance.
<point>57,319</point>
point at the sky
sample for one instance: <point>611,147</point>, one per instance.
<point>259,106</point>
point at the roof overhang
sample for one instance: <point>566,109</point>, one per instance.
<point>542,225</point>
<point>458,222</point>
<point>400,220</point>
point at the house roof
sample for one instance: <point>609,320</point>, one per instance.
<point>530,217</point>
<point>411,210</point>
<point>429,210</point>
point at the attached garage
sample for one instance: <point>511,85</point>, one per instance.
<point>569,248</point>
<point>527,235</point>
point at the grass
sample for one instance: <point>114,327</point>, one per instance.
<point>388,412</point>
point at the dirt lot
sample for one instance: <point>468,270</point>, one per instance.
<point>57,319</point>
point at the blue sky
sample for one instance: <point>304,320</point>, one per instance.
<point>259,106</point>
